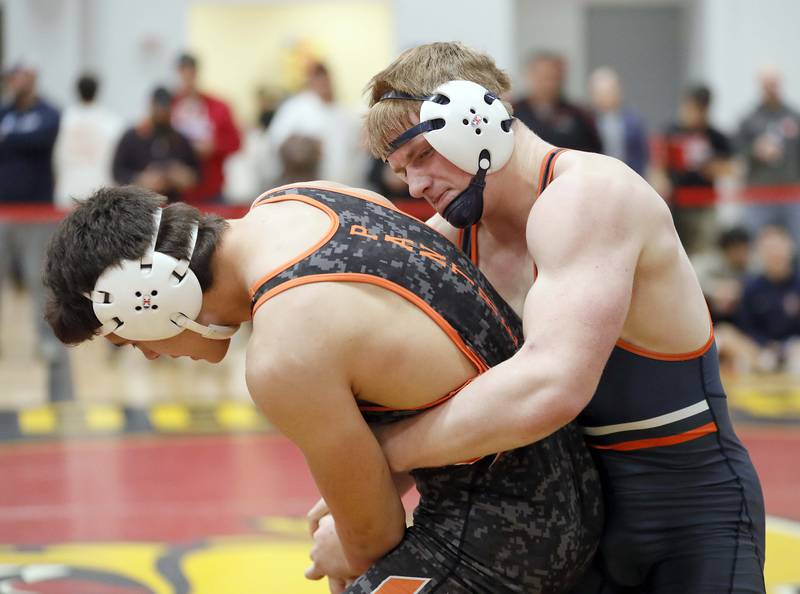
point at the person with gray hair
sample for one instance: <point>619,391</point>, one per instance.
<point>621,128</point>
<point>769,139</point>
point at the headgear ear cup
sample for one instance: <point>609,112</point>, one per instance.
<point>470,127</point>
<point>154,298</point>
<point>473,122</point>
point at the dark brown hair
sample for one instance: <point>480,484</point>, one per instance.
<point>112,225</point>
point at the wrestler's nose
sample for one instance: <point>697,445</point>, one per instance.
<point>418,184</point>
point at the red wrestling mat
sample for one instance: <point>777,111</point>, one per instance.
<point>149,488</point>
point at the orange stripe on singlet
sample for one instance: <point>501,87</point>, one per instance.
<point>547,168</point>
<point>401,585</point>
<point>354,192</point>
<point>546,174</point>
<point>445,398</point>
<point>546,171</point>
<point>656,442</point>
<point>636,350</point>
<point>334,219</point>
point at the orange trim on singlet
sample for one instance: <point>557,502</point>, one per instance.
<point>445,398</point>
<point>542,171</point>
<point>556,153</point>
<point>657,442</point>
<point>396,584</point>
<point>347,191</point>
<point>480,366</point>
<point>331,232</point>
<point>474,244</point>
<point>632,348</point>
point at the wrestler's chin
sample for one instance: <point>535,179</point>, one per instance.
<point>216,353</point>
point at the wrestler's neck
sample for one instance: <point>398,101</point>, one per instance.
<point>511,192</point>
<point>227,302</point>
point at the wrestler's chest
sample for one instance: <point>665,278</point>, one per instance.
<point>511,274</point>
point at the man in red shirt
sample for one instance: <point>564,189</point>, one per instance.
<point>207,122</point>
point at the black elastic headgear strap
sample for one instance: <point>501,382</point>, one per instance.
<point>415,131</point>
<point>422,127</point>
<point>467,208</point>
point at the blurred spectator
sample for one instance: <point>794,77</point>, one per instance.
<point>207,122</point>
<point>28,129</point>
<point>313,113</point>
<point>621,129</point>
<point>770,312</point>
<point>154,155</point>
<point>770,143</point>
<point>722,273</point>
<point>267,103</point>
<point>85,145</point>
<point>300,159</point>
<point>254,167</point>
<point>547,112</point>
<point>694,155</point>
<point>386,182</point>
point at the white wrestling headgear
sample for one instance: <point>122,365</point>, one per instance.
<point>154,298</point>
<point>470,127</point>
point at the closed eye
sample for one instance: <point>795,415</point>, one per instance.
<point>424,155</point>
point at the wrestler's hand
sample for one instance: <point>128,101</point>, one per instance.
<point>337,586</point>
<point>315,514</point>
<point>327,555</point>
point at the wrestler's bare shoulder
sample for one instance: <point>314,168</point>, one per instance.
<point>394,353</point>
<point>599,181</point>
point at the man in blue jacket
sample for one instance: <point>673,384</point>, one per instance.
<point>28,130</point>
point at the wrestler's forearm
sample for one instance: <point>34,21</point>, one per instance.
<point>509,406</point>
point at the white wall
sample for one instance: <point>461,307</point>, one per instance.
<point>131,45</point>
<point>738,37</point>
<point>485,25</point>
<point>45,33</point>
<point>553,26</point>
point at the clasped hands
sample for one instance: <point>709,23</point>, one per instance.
<point>327,555</point>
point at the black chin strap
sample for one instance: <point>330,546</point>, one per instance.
<point>467,208</point>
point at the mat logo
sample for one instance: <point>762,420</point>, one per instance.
<point>47,578</point>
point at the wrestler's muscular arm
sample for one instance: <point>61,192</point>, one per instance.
<point>298,375</point>
<point>586,239</point>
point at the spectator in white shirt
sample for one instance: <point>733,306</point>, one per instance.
<point>85,145</point>
<point>313,113</point>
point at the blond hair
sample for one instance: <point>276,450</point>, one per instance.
<point>419,71</point>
